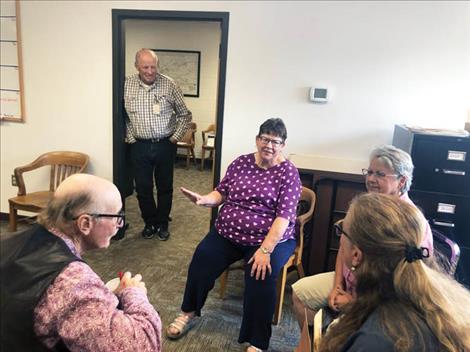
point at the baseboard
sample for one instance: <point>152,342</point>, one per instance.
<point>182,156</point>
<point>6,216</point>
<point>197,161</point>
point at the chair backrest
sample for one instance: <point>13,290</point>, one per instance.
<point>208,130</point>
<point>62,163</point>
<point>308,199</point>
<point>446,251</point>
<point>189,136</point>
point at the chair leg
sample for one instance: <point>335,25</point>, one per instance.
<point>203,154</point>
<point>300,270</point>
<point>223,284</point>
<point>188,152</point>
<point>12,218</point>
<point>281,285</point>
<point>194,156</point>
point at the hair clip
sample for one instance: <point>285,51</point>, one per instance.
<point>414,253</point>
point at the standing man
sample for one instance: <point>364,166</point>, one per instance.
<point>158,119</point>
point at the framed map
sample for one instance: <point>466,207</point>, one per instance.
<point>183,66</point>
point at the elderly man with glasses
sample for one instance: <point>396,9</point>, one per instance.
<point>52,300</point>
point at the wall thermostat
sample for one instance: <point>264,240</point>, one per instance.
<point>319,95</point>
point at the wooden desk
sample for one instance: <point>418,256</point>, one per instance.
<point>336,182</point>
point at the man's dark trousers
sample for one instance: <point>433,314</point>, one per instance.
<point>154,159</point>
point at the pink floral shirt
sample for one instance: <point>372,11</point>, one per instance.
<point>80,310</point>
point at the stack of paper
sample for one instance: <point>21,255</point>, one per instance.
<point>439,131</point>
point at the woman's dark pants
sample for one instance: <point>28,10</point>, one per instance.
<point>212,256</point>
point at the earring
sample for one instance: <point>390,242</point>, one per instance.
<point>353,268</point>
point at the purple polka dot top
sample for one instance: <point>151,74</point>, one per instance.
<point>254,197</point>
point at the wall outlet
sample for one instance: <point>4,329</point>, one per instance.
<point>13,181</point>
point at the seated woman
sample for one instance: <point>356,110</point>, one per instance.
<point>402,304</point>
<point>390,172</point>
<point>259,194</point>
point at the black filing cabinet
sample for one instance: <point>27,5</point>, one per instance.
<point>441,186</point>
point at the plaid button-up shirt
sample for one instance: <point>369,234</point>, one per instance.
<point>155,111</point>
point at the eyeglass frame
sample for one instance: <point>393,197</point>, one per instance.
<point>121,215</point>
<point>338,227</point>
<point>276,143</point>
<point>378,174</point>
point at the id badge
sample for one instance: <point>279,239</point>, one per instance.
<point>156,108</point>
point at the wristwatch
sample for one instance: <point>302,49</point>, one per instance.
<point>264,250</point>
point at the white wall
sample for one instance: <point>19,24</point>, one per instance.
<point>385,63</point>
<point>182,35</point>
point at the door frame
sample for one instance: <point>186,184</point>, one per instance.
<point>122,177</point>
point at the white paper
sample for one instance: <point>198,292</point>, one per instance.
<point>9,104</point>
<point>456,155</point>
<point>446,208</point>
<point>210,140</point>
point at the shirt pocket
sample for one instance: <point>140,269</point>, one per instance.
<point>131,104</point>
<point>166,107</point>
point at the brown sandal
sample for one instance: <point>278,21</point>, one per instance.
<point>182,324</point>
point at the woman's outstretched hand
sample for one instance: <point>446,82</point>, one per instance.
<point>196,198</point>
<point>192,196</point>
<point>210,200</point>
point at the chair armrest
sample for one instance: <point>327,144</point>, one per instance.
<point>39,162</point>
<point>304,218</point>
<point>210,129</point>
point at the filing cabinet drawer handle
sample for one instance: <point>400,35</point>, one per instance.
<point>442,223</point>
<point>454,172</point>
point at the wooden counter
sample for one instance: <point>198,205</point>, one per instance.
<point>335,181</point>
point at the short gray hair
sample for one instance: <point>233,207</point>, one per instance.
<point>61,211</point>
<point>145,50</point>
<point>398,160</point>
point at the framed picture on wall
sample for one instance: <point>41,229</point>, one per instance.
<point>183,66</point>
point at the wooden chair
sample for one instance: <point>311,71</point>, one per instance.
<point>295,259</point>
<point>305,342</point>
<point>188,143</point>
<point>317,330</point>
<point>62,164</point>
<point>207,146</point>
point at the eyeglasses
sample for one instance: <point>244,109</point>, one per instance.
<point>338,226</point>
<point>378,174</point>
<point>120,216</point>
<point>275,142</point>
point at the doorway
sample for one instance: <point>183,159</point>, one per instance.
<point>122,176</point>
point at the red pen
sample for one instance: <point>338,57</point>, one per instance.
<point>121,274</point>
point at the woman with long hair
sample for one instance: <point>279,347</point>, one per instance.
<point>401,303</point>
<point>390,172</point>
